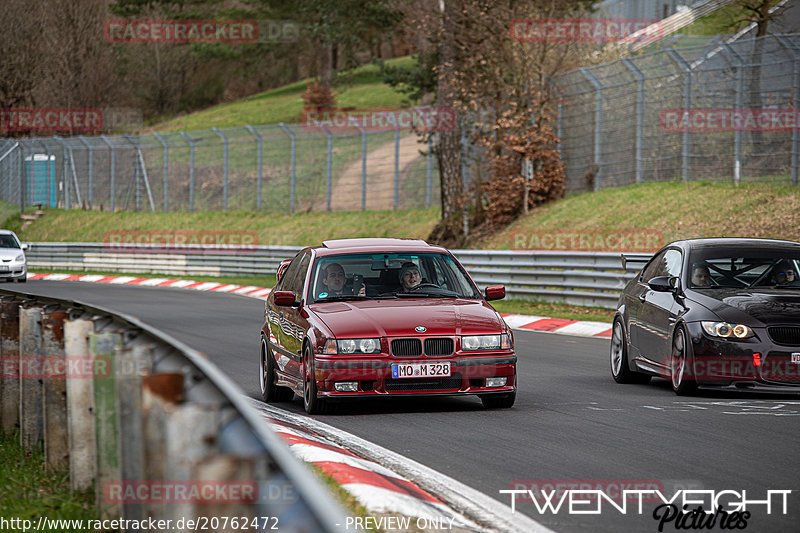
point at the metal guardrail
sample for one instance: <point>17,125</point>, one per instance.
<point>128,408</point>
<point>579,278</point>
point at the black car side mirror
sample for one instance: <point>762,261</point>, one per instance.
<point>665,284</point>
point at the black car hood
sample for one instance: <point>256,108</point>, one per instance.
<point>766,305</point>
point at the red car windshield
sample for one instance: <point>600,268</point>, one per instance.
<point>390,275</point>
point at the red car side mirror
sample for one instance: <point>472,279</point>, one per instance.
<point>285,298</point>
<point>495,292</point>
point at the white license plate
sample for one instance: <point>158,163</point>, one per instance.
<point>796,358</point>
<point>421,370</point>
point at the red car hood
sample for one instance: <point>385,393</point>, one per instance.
<point>391,318</point>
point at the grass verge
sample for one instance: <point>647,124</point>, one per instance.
<point>28,490</point>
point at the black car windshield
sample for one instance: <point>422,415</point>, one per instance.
<point>769,267</point>
<point>389,275</point>
<point>8,241</point>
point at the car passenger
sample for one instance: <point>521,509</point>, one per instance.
<point>334,280</point>
<point>783,273</point>
<point>701,277</point>
<point>409,276</point>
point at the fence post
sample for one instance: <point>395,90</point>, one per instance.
<point>88,146</point>
<point>429,158</point>
<point>363,168</point>
<point>687,104</point>
<point>795,105</point>
<point>293,138</point>
<point>113,160</point>
<point>328,169</point>
<point>260,147</point>
<point>191,169</point>
<point>396,166</point>
<point>224,168</point>
<point>166,169</point>
<point>598,125</point>
<point>65,180</point>
<point>639,114</point>
<point>737,134</point>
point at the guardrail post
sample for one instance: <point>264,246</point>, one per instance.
<point>737,134</point>
<point>293,138</point>
<point>112,170</point>
<point>131,362</point>
<point>31,415</point>
<point>192,431</point>
<point>102,347</point>
<point>161,392</point>
<point>260,148</point>
<point>687,104</point>
<point>224,168</point>
<point>639,114</point>
<point>9,364</point>
<point>80,407</point>
<point>191,169</point>
<point>598,125</point>
<point>88,146</point>
<point>56,448</point>
<point>166,169</point>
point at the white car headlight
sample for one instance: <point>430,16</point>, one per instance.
<point>20,257</point>
<point>349,346</point>
<point>726,330</point>
<point>471,343</point>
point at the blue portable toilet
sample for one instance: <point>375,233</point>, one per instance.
<point>41,190</point>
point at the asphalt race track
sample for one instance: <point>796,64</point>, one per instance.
<point>571,422</point>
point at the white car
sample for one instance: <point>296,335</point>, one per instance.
<point>13,264</point>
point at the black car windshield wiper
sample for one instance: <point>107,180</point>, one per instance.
<point>425,294</point>
<point>341,298</point>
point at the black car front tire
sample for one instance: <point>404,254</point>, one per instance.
<point>269,391</point>
<point>683,382</point>
<point>620,370</point>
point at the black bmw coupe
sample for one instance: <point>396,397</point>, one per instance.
<point>719,312</point>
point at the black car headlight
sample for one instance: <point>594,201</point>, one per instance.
<point>727,330</point>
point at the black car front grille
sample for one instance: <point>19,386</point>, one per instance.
<point>439,347</point>
<point>785,335</point>
<point>451,383</point>
<point>406,347</point>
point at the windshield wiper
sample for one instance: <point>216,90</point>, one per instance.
<point>341,298</point>
<point>424,294</point>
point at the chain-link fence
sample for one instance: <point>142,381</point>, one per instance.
<point>280,168</point>
<point>724,110</point>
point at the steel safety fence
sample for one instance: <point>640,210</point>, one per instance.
<point>723,110</point>
<point>276,168</point>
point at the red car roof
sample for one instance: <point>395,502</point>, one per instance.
<point>375,245</point>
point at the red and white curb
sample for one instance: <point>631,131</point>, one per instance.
<point>581,328</point>
<point>244,290</point>
<point>387,483</point>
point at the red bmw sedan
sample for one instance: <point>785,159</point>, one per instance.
<point>356,318</point>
